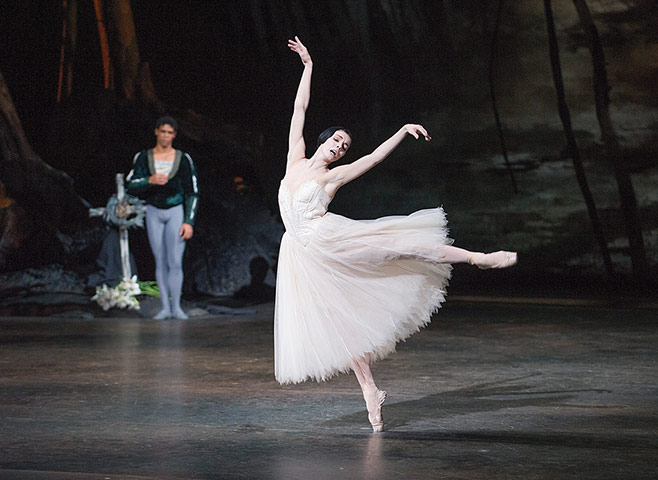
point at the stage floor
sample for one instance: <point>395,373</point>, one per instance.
<point>489,390</point>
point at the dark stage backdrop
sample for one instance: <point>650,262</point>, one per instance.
<point>379,64</point>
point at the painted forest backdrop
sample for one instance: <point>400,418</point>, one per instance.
<point>543,115</point>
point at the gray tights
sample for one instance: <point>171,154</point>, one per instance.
<point>163,227</point>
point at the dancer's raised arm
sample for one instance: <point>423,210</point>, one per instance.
<point>296,145</point>
<point>339,176</point>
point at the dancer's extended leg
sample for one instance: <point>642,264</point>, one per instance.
<point>500,259</point>
<point>372,395</point>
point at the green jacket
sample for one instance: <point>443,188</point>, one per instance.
<point>182,187</point>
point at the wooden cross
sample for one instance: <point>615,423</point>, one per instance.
<point>122,210</point>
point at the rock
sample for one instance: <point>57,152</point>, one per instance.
<point>51,278</point>
<point>48,299</point>
<point>224,310</point>
<point>241,229</point>
<point>74,314</point>
<point>149,306</point>
<point>195,312</point>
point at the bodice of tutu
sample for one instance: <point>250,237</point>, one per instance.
<point>302,209</point>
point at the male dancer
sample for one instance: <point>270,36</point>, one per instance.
<point>166,179</point>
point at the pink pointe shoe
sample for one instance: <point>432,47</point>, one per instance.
<point>374,400</point>
<point>500,259</point>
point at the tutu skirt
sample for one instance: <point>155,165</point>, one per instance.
<point>355,287</point>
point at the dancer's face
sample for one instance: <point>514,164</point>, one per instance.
<point>165,135</point>
<point>336,146</point>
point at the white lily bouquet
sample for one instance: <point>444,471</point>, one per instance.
<point>121,296</point>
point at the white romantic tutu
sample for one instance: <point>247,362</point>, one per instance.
<point>350,287</point>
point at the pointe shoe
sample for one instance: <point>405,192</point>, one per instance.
<point>500,259</point>
<point>163,315</point>
<point>374,400</point>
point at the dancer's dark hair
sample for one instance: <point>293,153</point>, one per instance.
<point>329,132</point>
<point>167,120</point>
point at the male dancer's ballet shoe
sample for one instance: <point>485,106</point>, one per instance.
<point>163,315</point>
<point>374,400</point>
<point>180,315</point>
<point>500,259</point>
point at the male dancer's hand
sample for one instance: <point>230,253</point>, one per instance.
<point>159,179</point>
<point>186,231</point>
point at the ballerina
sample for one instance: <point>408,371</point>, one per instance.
<point>348,290</point>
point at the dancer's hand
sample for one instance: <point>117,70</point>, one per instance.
<point>159,179</point>
<point>186,231</point>
<point>296,45</point>
<point>416,131</point>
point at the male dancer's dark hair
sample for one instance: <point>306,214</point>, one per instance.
<point>167,120</point>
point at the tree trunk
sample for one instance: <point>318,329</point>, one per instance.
<point>613,151</point>
<point>31,188</point>
<point>72,24</point>
<point>492,90</point>
<point>572,146</point>
<point>62,51</point>
<point>12,223</point>
<point>105,47</point>
<point>136,83</point>
<point>67,49</point>
<point>128,58</point>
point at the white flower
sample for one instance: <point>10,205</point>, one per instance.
<point>103,297</point>
<point>130,286</point>
<point>122,301</point>
<point>104,301</point>
<point>134,304</point>
<point>122,296</point>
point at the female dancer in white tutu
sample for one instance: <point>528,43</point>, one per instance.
<point>348,290</point>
